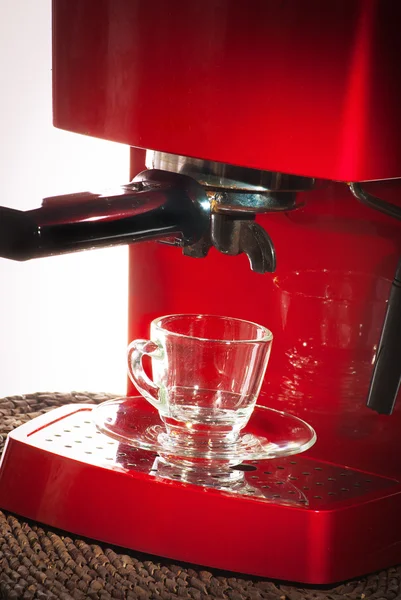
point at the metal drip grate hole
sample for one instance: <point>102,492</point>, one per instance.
<point>244,467</point>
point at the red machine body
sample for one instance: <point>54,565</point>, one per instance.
<point>305,88</point>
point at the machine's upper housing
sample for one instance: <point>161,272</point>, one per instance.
<point>308,88</point>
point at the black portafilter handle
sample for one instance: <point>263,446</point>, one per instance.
<point>156,205</point>
<point>386,377</point>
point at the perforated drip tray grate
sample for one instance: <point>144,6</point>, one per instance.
<point>298,481</point>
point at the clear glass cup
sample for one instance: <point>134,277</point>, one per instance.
<point>207,374</point>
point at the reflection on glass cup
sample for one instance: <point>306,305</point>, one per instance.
<point>207,374</point>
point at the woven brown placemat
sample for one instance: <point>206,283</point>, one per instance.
<point>39,562</point>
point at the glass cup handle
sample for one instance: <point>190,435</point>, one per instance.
<point>136,351</point>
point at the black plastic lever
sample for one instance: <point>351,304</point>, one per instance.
<point>155,206</point>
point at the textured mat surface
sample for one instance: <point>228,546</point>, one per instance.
<point>39,562</point>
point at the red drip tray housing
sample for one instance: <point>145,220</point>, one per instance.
<point>301,519</point>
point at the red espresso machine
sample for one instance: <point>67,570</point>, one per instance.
<point>266,147</point>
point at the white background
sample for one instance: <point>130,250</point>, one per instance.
<point>63,320</point>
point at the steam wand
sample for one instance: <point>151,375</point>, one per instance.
<point>386,376</point>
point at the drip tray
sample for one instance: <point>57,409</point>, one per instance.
<point>59,470</point>
<point>296,481</point>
